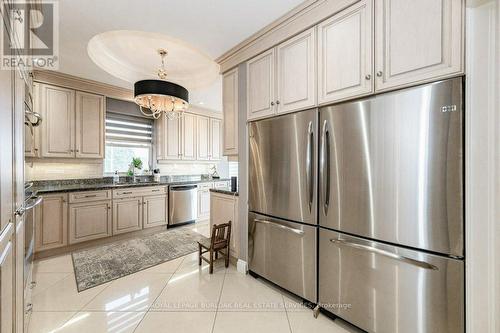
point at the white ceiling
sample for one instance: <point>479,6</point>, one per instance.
<point>211,26</point>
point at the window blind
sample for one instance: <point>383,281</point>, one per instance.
<point>122,130</point>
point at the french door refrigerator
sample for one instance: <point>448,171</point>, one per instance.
<point>283,201</point>
<point>391,235</point>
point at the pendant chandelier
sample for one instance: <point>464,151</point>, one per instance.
<point>157,97</point>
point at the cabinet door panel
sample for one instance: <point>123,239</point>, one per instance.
<point>51,220</point>
<point>7,287</point>
<point>417,41</point>
<point>188,137</point>
<point>89,125</point>
<point>203,138</point>
<point>296,72</point>
<point>215,139</point>
<point>172,139</point>
<point>89,221</point>
<point>155,211</point>
<point>57,128</point>
<point>345,60</point>
<point>260,85</point>
<point>127,215</point>
<point>230,111</point>
<point>203,204</point>
<point>224,208</point>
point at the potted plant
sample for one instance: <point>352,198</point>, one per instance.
<point>135,166</point>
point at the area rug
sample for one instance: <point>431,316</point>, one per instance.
<point>112,261</point>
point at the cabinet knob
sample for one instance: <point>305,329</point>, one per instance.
<point>272,103</point>
<point>277,102</point>
<point>368,76</point>
<point>379,73</point>
<point>78,150</point>
<point>32,284</point>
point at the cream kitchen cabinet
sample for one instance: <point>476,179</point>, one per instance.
<point>58,125</point>
<point>155,211</point>
<point>260,85</point>
<point>417,41</point>
<point>345,54</point>
<point>89,220</point>
<point>224,208</point>
<point>89,125</point>
<point>127,215</point>
<point>51,222</point>
<point>73,123</point>
<point>296,73</point>
<point>215,152</point>
<point>230,112</point>
<point>7,290</point>
<point>283,79</point>
<point>168,142</point>
<point>188,142</point>
<point>204,200</point>
<point>203,144</point>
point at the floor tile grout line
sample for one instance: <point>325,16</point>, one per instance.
<point>286,313</point>
<point>218,301</point>
<point>159,294</point>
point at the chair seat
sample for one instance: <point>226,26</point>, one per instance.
<point>205,242</point>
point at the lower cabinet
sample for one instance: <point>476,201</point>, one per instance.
<point>224,208</point>
<point>90,220</point>
<point>155,211</point>
<point>127,215</point>
<point>51,222</point>
<point>6,285</point>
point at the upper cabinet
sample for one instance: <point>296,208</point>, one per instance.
<point>191,138</point>
<point>89,139</point>
<point>72,125</point>
<point>58,125</point>
<point>369,47</point>
<point>345,57</point>
<point>296,73</point>
<point>417,41</point>
<point>283,79</point>
<point>230,111</point>
<point>260,85</point>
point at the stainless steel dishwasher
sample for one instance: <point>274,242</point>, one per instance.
<point>182,204</point>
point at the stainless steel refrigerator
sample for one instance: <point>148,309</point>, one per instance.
<point>387,194</point>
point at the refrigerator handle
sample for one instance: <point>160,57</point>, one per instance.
<point>418,263</point>
<point>325,167</point>
<point>309,167</point>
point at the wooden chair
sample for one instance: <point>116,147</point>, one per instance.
<point>221,236</point>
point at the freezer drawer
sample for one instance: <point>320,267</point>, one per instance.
<point>382,288</point>
<point>392,167</point>
<point>284,253</point>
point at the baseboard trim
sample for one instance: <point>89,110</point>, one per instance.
<point>242,266</point>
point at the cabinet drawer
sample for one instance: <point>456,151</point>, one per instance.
<point>139,192</point>
<point>221,184</point>
<point>89,196</point>
<point>205,186</point>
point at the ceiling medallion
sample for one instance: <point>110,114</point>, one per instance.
<point>157,97</point>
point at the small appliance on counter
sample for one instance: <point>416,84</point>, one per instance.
<point>234,184</point>
<point>156,175</point>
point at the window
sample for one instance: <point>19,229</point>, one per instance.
<point>127,137</point>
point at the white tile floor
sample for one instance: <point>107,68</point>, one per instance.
<point>176,296</point>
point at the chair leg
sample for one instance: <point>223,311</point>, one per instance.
<point>216,255</point>
<point>227,257</point>
<point>211,270</point>
<point>199,255</point>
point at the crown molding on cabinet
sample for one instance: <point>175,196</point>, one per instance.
<point>77,83</point>
<point>295,21</point>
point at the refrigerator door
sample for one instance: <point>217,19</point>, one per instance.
<point>284,253</point>
<point>392,167</point>
<point>382,288</point>
<point>282,166</point>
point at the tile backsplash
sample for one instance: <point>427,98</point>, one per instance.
<point>43,170</point>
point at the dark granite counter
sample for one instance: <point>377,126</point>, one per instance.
<point>106,183</point>
<point>226,190</point>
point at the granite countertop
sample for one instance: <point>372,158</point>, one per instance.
<point>105,183</point>
<point>224,190</point>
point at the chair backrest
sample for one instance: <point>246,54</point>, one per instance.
<point>221,235</point>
